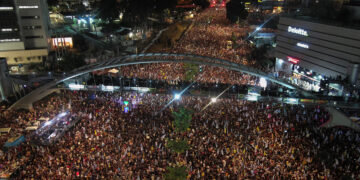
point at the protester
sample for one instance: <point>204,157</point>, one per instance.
<point>231,138</point>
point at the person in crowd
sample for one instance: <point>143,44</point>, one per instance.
<point>232,138</point>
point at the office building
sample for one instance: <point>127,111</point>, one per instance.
<point>315,50</point>
<point>24,35</point>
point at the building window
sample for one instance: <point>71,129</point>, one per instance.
<point>30,17</point>
<point>6,29</point>
<point>6,8</point>
<point>33,37</point>
<point>31,27</point>
<point>9,40</point>
<point>28,7</point>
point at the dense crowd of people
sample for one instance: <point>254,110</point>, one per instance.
<point>124,135</point>
<point>174,73</point>
<point>209,36</point>
<point>231,138</point>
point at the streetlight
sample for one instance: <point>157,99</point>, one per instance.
<point>177,96</point>
<point>213,100</point>
<point>131,35</point>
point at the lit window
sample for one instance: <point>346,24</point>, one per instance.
<point>9,40</point>
<point>28,7</point>
<point>6,8</point>
<point>6,30</point>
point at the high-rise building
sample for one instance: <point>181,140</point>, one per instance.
<point>10,37</point>
<point>315,49</point>
<point>24,37</point>
<point>72,3</point>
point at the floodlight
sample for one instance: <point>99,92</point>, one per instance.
<point>177,96</point>
<point>47,123</point>
<point>263,82</point>
<point>213,100</point>
<point>131,34</point>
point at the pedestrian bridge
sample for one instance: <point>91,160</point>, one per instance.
<point>27,101</point>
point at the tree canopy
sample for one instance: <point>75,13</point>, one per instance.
<point>176,173</point>
<point>134,10</point>
<point>182,120</point>
<point>178,146</point>
<point>52,2</point>
<point>235,10</point>
<point>191,70</point>
<point>71,61</point>
<point>327,10</point>
<point>202,3</point>
<point>108,10</point>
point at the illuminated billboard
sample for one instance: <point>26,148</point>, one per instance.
<point>62,42</point>
<point>298,31</point>
<point>303,45</point>
<point>293,60</point>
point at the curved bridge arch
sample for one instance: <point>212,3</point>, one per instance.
<point>26,101</point>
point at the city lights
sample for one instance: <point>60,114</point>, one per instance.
<point>9,40</point>
<point>76,86</point>
<point>131,35</point>
<point>303,45</point>
<point>6,8</point>
<point>213,100</point>
<point>263,82</point>
<point>293,60</point>
<point>177,96</point>
<point>298,31</point>
<point>28,7</point>
<point>6,30</point>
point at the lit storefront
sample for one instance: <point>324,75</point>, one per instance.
<point>66,42</point>
<point>310,53</point>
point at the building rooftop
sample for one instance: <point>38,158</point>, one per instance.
<point>330,22</point>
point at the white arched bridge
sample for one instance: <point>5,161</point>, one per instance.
<point>26,101</point>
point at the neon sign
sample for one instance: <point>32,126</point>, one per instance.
<point>293,60</point>
<point>298,31</point>
<point>303,45</point>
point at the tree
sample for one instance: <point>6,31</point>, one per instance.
<point>176,173</point>
<point>80,42</point>
<point>71,61</point>
<point>161,5</point>
<point>202,3</point>
<point>260,56</point>
<point>235,10</point>
<point>52,2</point>
<point>63,8</point>
<point>323,10</point>
<point>80,9</point>
<point>108,10</point>
<point>178,146</point>
<point>136,11</point>
<point>346,15</point>
<point>182,119</point>
<point>191,70</point>
<point>259,53</point>
<point>272,23</point>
